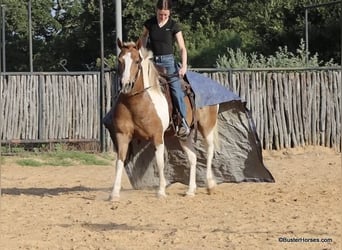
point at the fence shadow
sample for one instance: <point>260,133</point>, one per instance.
<point>48,191</point>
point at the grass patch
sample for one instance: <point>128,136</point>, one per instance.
<point>62,158</point>
<point>29,163</point>
<point>76,156</point>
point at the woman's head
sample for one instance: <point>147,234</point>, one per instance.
<point>164,5</point>
<point>163,9</point>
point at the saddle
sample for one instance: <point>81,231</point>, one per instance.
<point>176,118</point>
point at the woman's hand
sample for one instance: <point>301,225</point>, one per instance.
<point>182,71</point>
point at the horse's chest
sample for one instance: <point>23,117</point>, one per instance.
<point>160,106</point>
<point>146,113</point>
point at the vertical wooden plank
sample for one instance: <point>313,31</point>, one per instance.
<point>75,109</point>
<point>7,96</point>
<point>322,98</point>
<point>282,120</point>
<point>258,105</point>
<point>53,106</point>
<point>90,101</point>
<point>247,91</point>
<point>42,108</point>
<point>242,87</point>
<point>84,106</point>
<point>288,119</point>
<point>19,121</point>
<point>51,79</point>
<point>331,125</point>
<point>293,109</point>
<point>2,118</point>
<point>264,115</point>
<point>277,124</point>
<point>327,134</point>
<point>35,101</point>
<point>308,95</point>
<point>62,101</point>
<point>337,107</point>
<point>270,110</point>
<point>58,79</point>
<point>26,108</point>
<point>97,125</point>
<point>314,119</point>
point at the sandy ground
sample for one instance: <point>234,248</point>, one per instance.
<point>66,208</point>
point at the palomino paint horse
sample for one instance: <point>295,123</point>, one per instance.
<point>142,112</point>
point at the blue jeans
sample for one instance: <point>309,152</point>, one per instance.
<point>168,62</point>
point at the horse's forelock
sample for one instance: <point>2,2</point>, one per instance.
<point>129,44</point>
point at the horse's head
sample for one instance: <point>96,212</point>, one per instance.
<point>129,64</point>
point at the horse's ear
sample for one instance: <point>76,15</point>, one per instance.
<point>138,43</point>
<point>118,41</point>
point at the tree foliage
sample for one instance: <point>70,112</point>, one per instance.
<point>69,31</point>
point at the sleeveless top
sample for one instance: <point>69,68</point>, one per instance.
<point>161,39</point>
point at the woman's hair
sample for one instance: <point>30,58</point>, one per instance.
<point>164,4</point>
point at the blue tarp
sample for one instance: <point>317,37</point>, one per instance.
<point>209,92</point>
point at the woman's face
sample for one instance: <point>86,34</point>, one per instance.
<point>163,15</point>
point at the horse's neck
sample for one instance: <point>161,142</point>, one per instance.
<point>145,74</point>
<point>150,76</point>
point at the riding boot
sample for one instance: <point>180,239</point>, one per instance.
<point>184,129</point>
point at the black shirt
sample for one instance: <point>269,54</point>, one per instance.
<point>161,38</point>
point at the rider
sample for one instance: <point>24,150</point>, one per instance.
<point>161,31</point>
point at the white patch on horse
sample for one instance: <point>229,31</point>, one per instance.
<point>117,181</point>
<point>161,106</point>
<point>158,98</point>
<point>126,75</point>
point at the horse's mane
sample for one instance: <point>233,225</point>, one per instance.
<point>150,72</point>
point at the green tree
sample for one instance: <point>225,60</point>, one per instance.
<point>70,30</point>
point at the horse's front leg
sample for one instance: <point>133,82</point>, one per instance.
<point>159,153</point>
<point>192,158</point>
<point>122,142</point>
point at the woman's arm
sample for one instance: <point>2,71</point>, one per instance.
<point>183,53</point>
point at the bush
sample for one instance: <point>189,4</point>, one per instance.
<point>282,58</point>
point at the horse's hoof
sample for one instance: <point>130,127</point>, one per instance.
<point>190,194</point>
<point>211,190</point>
<point>114,198</point>
<point>211,187</point>
<point>161,195</point>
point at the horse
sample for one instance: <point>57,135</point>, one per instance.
<point>142,112</point>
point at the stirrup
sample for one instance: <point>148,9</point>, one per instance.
<point>184,130</point>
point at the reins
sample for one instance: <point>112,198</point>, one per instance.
<point>142,91</point>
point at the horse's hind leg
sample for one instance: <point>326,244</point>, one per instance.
<point>192,158</point>
<point>210,146</point>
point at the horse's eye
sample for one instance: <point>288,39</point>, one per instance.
<point>137,61</point>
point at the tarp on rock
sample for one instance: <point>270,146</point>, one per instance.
<point>239,158</point>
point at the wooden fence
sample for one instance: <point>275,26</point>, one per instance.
<point>47,107</point>
<point>290,107</point>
